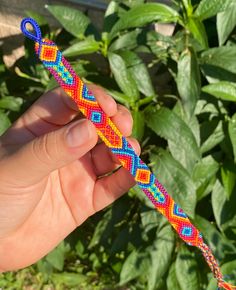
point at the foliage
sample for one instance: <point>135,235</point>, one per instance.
<point>181,90</point>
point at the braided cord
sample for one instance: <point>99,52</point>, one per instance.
<point>54,61</point>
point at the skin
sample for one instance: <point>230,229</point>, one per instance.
<point>50,161</point>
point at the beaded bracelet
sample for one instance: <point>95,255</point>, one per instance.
<point>62,71</point>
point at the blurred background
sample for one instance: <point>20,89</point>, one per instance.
<point>172,63</point>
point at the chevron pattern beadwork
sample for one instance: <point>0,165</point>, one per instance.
<point>53,60</point>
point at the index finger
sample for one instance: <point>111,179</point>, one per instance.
<point>51,111</point>
<point>107,103</point>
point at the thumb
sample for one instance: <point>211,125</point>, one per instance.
<point>51,151</point>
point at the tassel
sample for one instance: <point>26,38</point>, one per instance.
<point>214,266</point>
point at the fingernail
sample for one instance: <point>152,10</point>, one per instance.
<point>78,134</point>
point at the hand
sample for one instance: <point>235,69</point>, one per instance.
<point>50,161</point>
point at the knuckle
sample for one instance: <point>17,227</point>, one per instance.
<point>123,109</point>
<point>45,149</point>
<point>37,151</point>
<point>125,112</point>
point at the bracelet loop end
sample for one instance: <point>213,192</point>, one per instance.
<point>37,32</point>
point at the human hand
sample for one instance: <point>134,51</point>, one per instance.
<point>50,161</point>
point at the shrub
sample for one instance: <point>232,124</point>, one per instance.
<point>181,90</point>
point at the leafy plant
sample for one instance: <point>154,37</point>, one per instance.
<point>181,90</point>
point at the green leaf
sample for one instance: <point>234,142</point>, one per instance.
<point>81,67</point>
<point>207,9</point>
<point>136,264</point>
<point>108,224</point>
<point>5,123</point>
<point>176,180</point>
<point>123,76</point>
<point>110,16</point>
<point>143,14</point>
<point>57,257</point>
<point>172,281</point>
<point>121,241</point>
<point>217,242</point>
<point>192,123</point>
<point>41,20</point>
<point>232,134</point>
<point>228,176</point>
<point>226,21</point>
<point>100,228</point>
<point>168,125</point>
<point>80,250</point>
<point>130,4</point>
<point>139,72</point>
<point>187,4</point>
<point>204,171</point>
<point>188,80</point>
<point>138,125</point>
<point>216,74</point>
<point>161,254</point>
<point>220,57</point>
<point>11,103</point>
<point>44,267</point>
<point>222,90</point>
<point>26,76</point>
<point>126,41</point>
<point>160,44</point>
<point>149,219</point>
<point>204,107</point>
<point>130,237</point>
<point>119,97</point>
<point>89,45</point>
<point>187,270</point>
<point>212,134</point>
<point>198,30</point>
<point>69,279</point>
<point>223,210</point>
<point>94,259</point>
<point>74,21</point>
<point>229,268</point>
<point>218,201</point>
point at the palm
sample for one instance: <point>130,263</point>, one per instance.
<point>50,209</point>
<point>45,225</point>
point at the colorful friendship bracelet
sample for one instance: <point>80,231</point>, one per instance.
<point>62,71</point>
